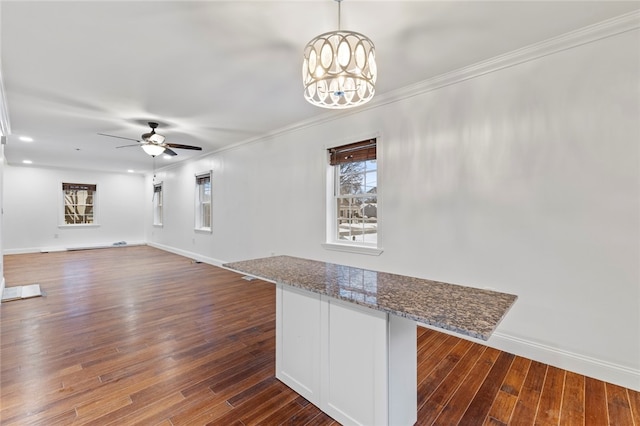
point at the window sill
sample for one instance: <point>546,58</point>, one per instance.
<point>81,225</point>
<point>157,225</point>
<point>371,251</point>
<point>203,230</point>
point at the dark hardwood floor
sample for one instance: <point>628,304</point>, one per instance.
<point>135,335</point>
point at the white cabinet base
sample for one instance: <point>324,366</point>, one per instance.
<point>356,364</point>
<point>298,341</point>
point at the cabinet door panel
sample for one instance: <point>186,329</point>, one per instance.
<point>355,365</point>
<point>298,341</point>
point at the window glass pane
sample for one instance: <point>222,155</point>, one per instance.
<point>369,209</point>
<point>206,215</point>
<point>351,178</point>
<point>357,219</point>
<point>370,182</point>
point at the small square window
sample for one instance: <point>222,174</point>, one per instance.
<point>78,203</point>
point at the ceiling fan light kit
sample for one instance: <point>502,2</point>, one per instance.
<point>339,69</point>
<point>153,149</point>
<point>154,143</point>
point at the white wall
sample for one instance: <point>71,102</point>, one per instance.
<point>525,179</point>
<point>2,280</point>
<point>33,206</point>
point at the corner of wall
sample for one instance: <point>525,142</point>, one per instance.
<point>195,256</point>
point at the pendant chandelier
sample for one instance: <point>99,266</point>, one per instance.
<point>339,69</point>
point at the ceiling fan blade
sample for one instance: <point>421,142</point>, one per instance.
<point>177,145</point>
<point>170,152</point>
<point>119,137</point>
<point>126,146</point>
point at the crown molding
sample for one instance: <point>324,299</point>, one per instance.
<point>608,28</point>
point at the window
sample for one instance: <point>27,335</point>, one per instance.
<point>203,202</point>
<point>79,203</point>
<point>355,194</point>
<point>157,204</point>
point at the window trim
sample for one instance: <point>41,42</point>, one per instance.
<point>61,210</point>
<point>197,218</point>
<point>331,243</point>
<point>159,224</point>
<point>350,248</point>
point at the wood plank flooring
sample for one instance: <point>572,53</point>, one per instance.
<point>135,335</point>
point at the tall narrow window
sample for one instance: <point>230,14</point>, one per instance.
<point>157,204</point>
<point>203,202</point>
<point>355,181</point>
<point>79,203</point>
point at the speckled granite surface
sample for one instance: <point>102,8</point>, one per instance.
<point>466,310</point>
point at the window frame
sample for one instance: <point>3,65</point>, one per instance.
<point>95,202</point>
<point>198,208</point>
<point>157,202</point>
<point>332,175</point>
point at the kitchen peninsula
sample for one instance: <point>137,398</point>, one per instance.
<point>346,337</point>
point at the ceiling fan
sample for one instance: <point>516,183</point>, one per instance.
<point>153,143</point>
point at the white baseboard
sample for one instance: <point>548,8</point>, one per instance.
<point>70,247</point>
<point>581,364</point>
<point>103,245</point>
<point>2,284</point>
<point>27,250</point>
<point>566,360</point>
<point>196,256</point>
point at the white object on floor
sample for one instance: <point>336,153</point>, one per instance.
<point>21,292</point>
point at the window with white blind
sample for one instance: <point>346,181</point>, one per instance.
<point>79,203</point>
<point>157,204</point>
<point>203,202</point>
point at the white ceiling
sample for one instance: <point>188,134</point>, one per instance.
<point>215,73</point>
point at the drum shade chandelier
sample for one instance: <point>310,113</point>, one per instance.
<point>339,69</point>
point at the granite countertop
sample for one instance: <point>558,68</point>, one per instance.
<point>466,310</point>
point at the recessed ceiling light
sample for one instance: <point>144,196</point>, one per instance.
<point>27,161</point>
<point>131,171</point>
<point>26,139</point>
<point>166,157</point>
